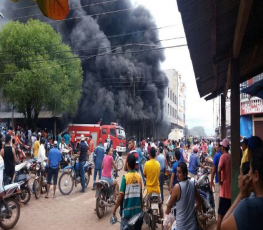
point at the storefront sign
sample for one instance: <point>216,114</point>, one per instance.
<point>246,108</point>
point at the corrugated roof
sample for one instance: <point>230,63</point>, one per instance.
<point>197,21</point>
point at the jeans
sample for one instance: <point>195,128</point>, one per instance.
<point>161,180</point>
<point>82,174</point>
<point>95,175</point>
<point>124,222</point>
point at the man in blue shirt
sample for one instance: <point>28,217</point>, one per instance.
<point>54,158</point>
<point>162,160</point>
<point>66,137</point>
<point>140,157</point>
<point>173,179</point>
<point>214,175</point>
<point>98,158</point>
<point>194,162</point>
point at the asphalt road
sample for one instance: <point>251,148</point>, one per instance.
<point>75,211</point>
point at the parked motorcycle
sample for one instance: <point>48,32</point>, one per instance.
<point>9,206</point>
<point>118,160</point>
<point>71,175</point>
<point>104,195</point>
<point>40,182</point>
<point>22,178</point>
<point>152,213</point>
<point>207,210</point>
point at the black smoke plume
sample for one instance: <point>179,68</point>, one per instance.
<point>117,85</point>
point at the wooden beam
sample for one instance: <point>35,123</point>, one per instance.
<point>223,117</point>
<point>242,19</point>
<point>213,39</point>
<point>228,80</point>
<point>235,127</point>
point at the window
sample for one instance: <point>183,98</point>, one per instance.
<point>113,132</point>
<point>104,131</point>
<point>121,133</point>
<point>168,109</point>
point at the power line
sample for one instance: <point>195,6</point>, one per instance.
<point>110,36</point>
<point>66,51</point>
<point>99,55</point>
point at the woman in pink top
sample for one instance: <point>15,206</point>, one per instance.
<point>107,164</point>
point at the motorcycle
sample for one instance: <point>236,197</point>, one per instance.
<point>9,206</point>
<point>152,213</point>
<point>40,182</point>
<point>71,175</point>
<point>118,160</point>
<point>22,178</point>
<point>66,154</point>
<point>207,210</point>
<point>104,195</point>
<point>167,176</point>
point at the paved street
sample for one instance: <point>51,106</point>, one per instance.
<point>75,211</point>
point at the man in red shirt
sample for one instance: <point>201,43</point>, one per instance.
<point>73,140</point>
<point>91,148</point>
<point>131,147</point>
<point>224,178</point>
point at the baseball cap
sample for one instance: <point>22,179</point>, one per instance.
<point>55,143</point>
<point>82,137</point>
<point>254,142</point>
<point>195,148</point>
<point>100,140</point>
<point>224,143</point>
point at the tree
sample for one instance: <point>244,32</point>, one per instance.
<point>197,131</point>
<point>37,70</point>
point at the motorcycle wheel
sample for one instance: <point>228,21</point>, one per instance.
<point>99,209</point>
<point>25,195</point>
<point>87,179</point>
<point>200,219</point>
<point>8,221</point>
<point>65,183</point>
<point>153,222</point>
<point>37,188</point>
<point>120,164</point>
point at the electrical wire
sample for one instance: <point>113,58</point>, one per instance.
<point>99,55</point>
<point>66,51</point>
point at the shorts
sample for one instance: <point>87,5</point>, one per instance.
<point>224,205</point>
<point>108,179</point>
<point>52,173</point>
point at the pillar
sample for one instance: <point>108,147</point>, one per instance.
<point>223,117</point>
<point>235,127</point>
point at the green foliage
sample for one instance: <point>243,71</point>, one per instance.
<point>197,131</point>
<point>37,70</point>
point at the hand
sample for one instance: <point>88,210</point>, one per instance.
<point>212,185</point>
<point>246,186</point>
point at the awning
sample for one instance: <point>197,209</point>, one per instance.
<point>16,115</point>
<point>255,90</point>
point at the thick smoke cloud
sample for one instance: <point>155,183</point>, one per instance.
<point>124,87</point>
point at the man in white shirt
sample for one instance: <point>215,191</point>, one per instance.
<point>42,152</point>
<point>62,145</point>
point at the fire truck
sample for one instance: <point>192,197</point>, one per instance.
<point>116,132</point>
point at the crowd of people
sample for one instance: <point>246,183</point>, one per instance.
<point>146,164</point>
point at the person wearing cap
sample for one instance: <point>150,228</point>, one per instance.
<point>214,175</point>
<point>224,179</point>
<point>54,158</point>
<point>98,159</point>
<point>194,162</point>
<point>83,153</point>
<point>244,147</point>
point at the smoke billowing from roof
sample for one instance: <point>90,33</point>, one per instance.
<point>121,86</point>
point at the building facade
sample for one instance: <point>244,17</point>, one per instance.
<point>174,102</point>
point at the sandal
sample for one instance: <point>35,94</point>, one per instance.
<point>46,197</point>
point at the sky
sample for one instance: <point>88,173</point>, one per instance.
<point>198,111</point>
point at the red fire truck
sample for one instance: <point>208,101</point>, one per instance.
<point>116,132</point>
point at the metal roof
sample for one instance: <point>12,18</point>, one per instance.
<point>210,31</point>
<point>42,114</point>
